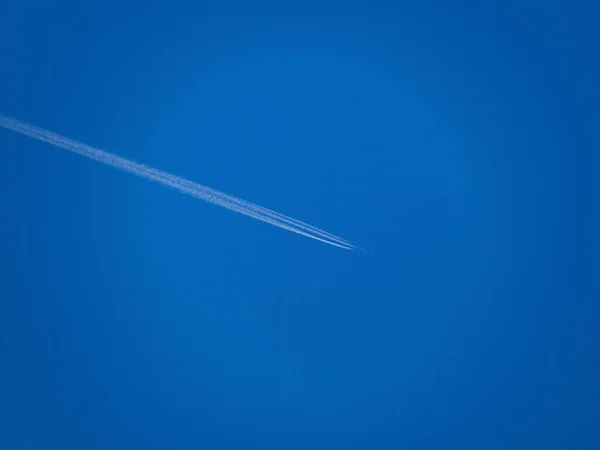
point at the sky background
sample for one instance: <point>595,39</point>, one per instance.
<point>458,141</point>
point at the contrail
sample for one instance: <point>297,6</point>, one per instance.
<point>188,187</point>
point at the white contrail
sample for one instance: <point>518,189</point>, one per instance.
<point>157,175</point>
<point>181,184</point>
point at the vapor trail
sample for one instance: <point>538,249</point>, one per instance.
<point>188,187</point>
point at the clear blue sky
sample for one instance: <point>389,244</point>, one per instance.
<point>458,141</point>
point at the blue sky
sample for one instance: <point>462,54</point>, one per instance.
<point>456,141</point>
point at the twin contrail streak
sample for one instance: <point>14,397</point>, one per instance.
<point>188,187</point>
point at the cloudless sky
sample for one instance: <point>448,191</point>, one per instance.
<point>456,140</point>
